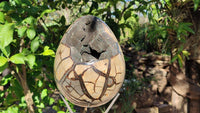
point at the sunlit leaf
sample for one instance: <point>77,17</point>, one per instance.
<point>5,80</point>
<point>196,4</point>
<point>40,83</point>
<point>46,11</point>
<point>180,60</point>
<point>18,2</point>
<point>12,109</point>
<point>6,36</point>
<point>41,105</point>
<point>29,20</point>
<point>60,112</point>
<point>3,61</point>
<point>18,58</point>
<point>30,60</point>
<point>31,33</point>
<point>3,64</point>
<point>186,53</point>
<point>43,93</point>
<point>23,102</point>
<point>21,31</point>
<point>35,44</point>
<point>51,101</point>
<point>2,17</point>
<point>36,100</point>
<point>48,52</point>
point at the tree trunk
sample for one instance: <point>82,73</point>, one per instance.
<point>21,77</point>
<point>27,92</point>
<point>28,97</point>
<point>192,71</point>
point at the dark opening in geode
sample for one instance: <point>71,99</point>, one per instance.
<point>89,44</point>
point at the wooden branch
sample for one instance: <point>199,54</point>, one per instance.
<point>27,92</point>
<point>21,77</point>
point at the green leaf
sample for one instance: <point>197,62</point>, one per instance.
<point>60,112</point>
<point>25,51</point>
<point>23,102</point>
<point>196,4</point>
<point>21,31</point>
<point>18,2</point>
<point>4,5</point>
<point>43,93</point>
<point>36,100</point>
<point>2,68</point>
<point>51,101</point>
<point>3,61</point>
<point>46,48</point>
<point>40,83</point>
<point>3,64</point>
<point>5,80</point>
<point>137,3</point>
<point>29,20</point>
<point>189,30</point>
<point>6,36</point>
<point>30,60</point>
<point>41,105</point>
<point>55,107</point>
<point>12,109</point>
<point>35,44</point>
<point>174,58</point>
<point>46,11</point>
<point>2,17</point>
<point>182,27</point>
<point>48,52</point>
<point>18,58</point>
<point>186,53</point>
<point>31,33</point>
<point>180,60</point>
<point>6,51</point>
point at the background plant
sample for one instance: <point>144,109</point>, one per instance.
<point>26,56</point>
<point>30,31</point>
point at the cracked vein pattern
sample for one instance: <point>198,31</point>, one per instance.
<point>89,84</point>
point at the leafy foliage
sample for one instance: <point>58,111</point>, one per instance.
<point>21,43</point>
<point>31,30</point>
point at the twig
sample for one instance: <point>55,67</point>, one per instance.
<point>111,104</point>
<point>66,103</point>
<point>85,109</point>
<point>21,77</point>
